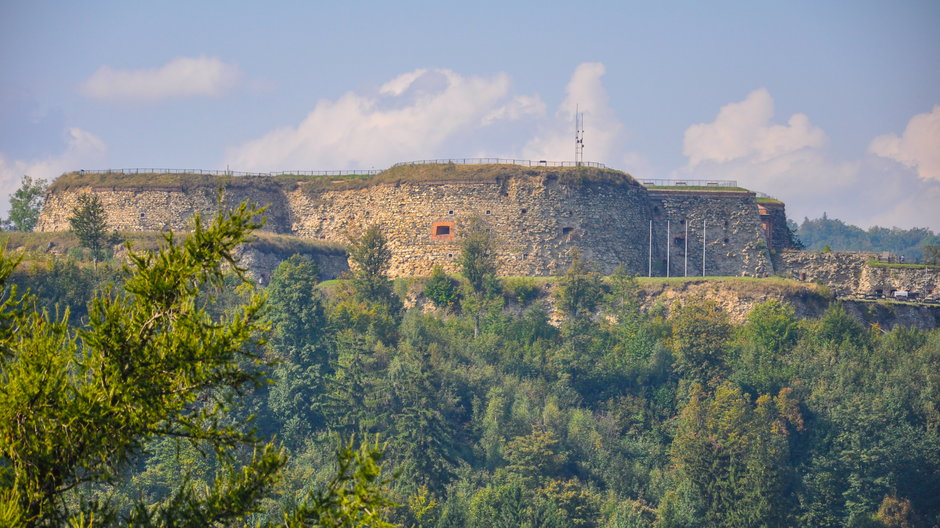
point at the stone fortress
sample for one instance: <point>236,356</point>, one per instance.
<point>542,214</point>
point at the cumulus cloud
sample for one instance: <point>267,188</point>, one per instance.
<point>181,77</point>
<point>745,129</point>
<point>792,162</point>
<point>586,93</point>
<point>520,106</point>
<point>918,148</point>
<point>83,149</point>
<point>410,117</point>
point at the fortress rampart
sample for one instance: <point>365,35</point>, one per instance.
<point>539,215</point>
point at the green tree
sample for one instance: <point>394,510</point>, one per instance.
<point>296,311</point>
<point>78,405</point>
<point>932,254</point>
<point>580,289</point>
<point>477,254</point>
<point>298,341</point>
<point>371,256</point>
<point>25,204</point>
<point>735,455</point>
<point>441,289</point>
<point>700,334</point>
<point>89,223</point>
<point>771,332</point>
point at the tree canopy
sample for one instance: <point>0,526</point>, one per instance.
<point>25,204</point>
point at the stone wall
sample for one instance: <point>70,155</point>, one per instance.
<point>162,208</point>
<point>540,219</point>
<point>537,221</point>
<point>848,273</point>
<point>734,242</point>
<point>261,261</point>
<point>774,222</point>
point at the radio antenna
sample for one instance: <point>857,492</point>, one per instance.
<point>578,136</point>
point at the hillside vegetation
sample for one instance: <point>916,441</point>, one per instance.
<point>565,402</point>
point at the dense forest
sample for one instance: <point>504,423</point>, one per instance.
<point>835,234</point>
<point>496,402</point>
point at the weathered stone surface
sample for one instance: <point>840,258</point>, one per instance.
<point>734,243</point>
<point>848,273</point>
<point>539,220</point>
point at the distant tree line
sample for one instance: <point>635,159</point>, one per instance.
<point>835,234</point>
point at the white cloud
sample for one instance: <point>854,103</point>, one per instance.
<point>413,116</point>
<point>792,162</point>
<point>181,77</point>
<point>520,106</point>
<point>744,130</point>
<point>83,149</point>
<point>603,130</point>
<point>919,146</point>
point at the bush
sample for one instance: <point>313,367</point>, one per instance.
<point>441,289</point>
<point>523,289</point>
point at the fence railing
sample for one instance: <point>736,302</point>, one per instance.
<point>658,182</point>
<point>370,172</point>
<point>231,173</point>
<point>504,161</point>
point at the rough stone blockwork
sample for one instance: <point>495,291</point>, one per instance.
<point>540,217</point>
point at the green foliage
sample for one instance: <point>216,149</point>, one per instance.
<point>370,256</point>
<point>441,289</point>
<point>510,506</point>
<point>839,236</point>
<point>735,455</point>
<point>477,254</point>
<point>154,366</point>
<point>25,204</point>
<point>88,222</point>
<point>932,254</point>
<point>78,406</point>
<point>522,289</point>
<point>700,335</point>
<point>297,340</point>
<point>355,496</point>
<point>296,307</point>
<point>580,289</point>
<point>492,416</point>
<point>771,332</point>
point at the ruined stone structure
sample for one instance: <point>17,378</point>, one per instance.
<point>541,216</point>
<point>859,274</point>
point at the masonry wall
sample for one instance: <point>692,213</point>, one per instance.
<point>849,273</point>
<point>734,242</point>
<point>539,221</point>
<point>162,208</point>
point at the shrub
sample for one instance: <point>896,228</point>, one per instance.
<point>523,289</point>
<point>441,289</point>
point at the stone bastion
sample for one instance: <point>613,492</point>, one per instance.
<point>541,216</point>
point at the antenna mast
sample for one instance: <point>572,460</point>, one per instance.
<point>578,136</point>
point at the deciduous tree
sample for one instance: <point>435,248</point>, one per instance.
<point>25,204</point>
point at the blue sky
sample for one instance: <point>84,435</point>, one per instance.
<point>830,106</point>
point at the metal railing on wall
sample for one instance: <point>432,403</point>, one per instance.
<point>657,182</point>
<point>504,161</point>
<point>231,173</point>
<point>370,172</point>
